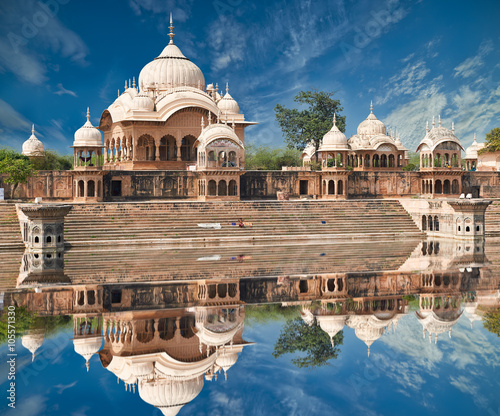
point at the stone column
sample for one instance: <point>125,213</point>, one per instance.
<point>157,150</point>
<point>178,144</point>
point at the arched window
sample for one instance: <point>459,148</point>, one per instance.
<point>446,187</point>
<point>233,188</point>
<point>438,187</point>
<point>187,153</point>
<point>383,161</point>
<point>212,188</point>
<point>429,222</point>
<point>367,161</point>
<point>391,161</point>
<point>455,189</point>
<point>340,188</point>
<point>436,223</point>
<point>424,223</point>
<point>331,187</point>
<point>91,188</point>
<point>222,188</point>
<point>81,189</point>
<point>232,162</point>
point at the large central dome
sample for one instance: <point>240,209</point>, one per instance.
<point>171,69</point>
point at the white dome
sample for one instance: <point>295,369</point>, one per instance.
<point>331,324</point>
<point>170,395</point>
<point>438,135</point>
<point>87,347</point>
<point>334,139</point>
<point>226,360</point>
<point>228,104</point>
<point>471,152</point>
<point>372,125</point>
<point>33,146</point>
<point>32,341</point>
<point>170,69</point>
<point>217,131</point>
<point>88,135</point>
<point>143,102</point>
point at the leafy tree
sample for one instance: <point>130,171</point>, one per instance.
<point>51,160</point>
<point>266,158</point>
<point>491,321</point>
<point>309,125</point>
<point>296,335</point>
<point>492,142</point>
<point>24,321</point>
<point>16,167</point>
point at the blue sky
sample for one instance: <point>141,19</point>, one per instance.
<point>414,59</point>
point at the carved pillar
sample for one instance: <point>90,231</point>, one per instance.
<point>157,150</point>
<point>178,143</point>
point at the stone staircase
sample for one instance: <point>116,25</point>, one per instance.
<point>176,222</point>
<point>492,220</point>
<point>10,231</point>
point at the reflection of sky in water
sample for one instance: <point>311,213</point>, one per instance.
<point>404,374</point>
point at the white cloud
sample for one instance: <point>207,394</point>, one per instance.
<point>470,66</point>
<point>10,119</point>
<point>30,30</point>
<point>62,91</point>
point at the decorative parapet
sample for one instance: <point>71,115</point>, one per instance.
<point>468,218</point>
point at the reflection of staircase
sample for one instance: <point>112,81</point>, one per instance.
<point>492,221</point>
<point>285,221</point>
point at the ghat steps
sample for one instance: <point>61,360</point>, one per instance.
<point>176,222</point>
<point>492,220</point>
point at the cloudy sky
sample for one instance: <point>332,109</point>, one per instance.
<point>414,59</point>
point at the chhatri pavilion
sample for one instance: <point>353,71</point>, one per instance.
<point>170,135</point>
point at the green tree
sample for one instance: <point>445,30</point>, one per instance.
<point>24,321</point>
<point>300,127</point>
<point>51,160</point>
<point>492,142</point>
<point>16,167</point>
<point>266,158</point>
<point>296,335</point>
<point>491,321</point>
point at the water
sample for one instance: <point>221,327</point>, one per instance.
<point>266,319</point>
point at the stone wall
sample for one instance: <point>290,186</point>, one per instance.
<point>481,184</point>
<point>51,185</point>
<point>383,184</point>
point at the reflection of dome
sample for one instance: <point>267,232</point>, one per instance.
<point>33,146</point>
<point>471,151</point>
<point>331,324</point>
<point>87,347</point>
<point>334,139</point>
<point>228,104</point>
<point>88,135</point>
<point>434,324</point>
<point>307,316</point>
<point>372,125</point>
<point>369,328</point>
<point>32,341</point>
<point>470,311</point>
<point>170,69</point>
<point>226,360</point>
<point>170,395</point>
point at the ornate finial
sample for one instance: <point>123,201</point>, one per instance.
<point>371,107</point>
<point>474,136</point>
<point>202,123</point>
<point>433,122</point>
<point>453,127</point>
<point>133,82</point>
<point>33,130</point>
<point>171,34</point>
<point>368,351</point>
<point>439,120</point>
<point>87,365</point>
<point>118,92</point>
<point>209,118</point>
<point>233,125</point>
<point>227,87</point>
<point>88,114</point>
<point>32,357</point>
<point>129,83</point>
<point>217,87</point>
<point>427,126</point>
<point>125,85</point>
<point>334,119</point>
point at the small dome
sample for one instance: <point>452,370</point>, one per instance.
<point>88,135</point>
<point>170,395</point>
<point>471,151</point>
<point>226,360</point>
<point>334,139</point>
<point>228,104</point>
<point>87,347</point>
<point>33,146</point>
<point>439,136</point>
<point>372,125</point>
<point>32,341</point>
<point>331,324</point>
<point>143,102</point>
<point>171,69</point>
<point>217,131</point>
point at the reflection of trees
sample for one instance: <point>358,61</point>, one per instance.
<point>491,321</point>
<point>296,335</point>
